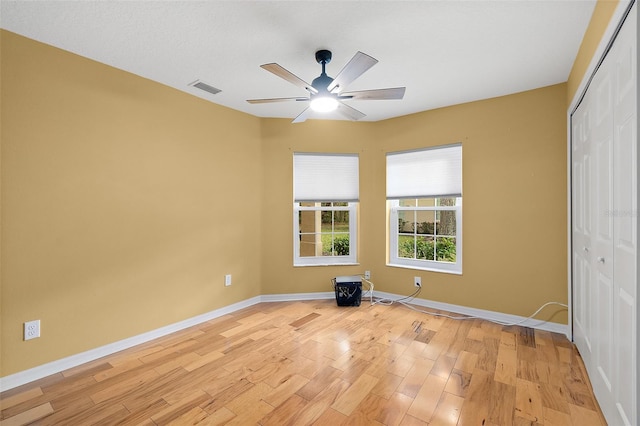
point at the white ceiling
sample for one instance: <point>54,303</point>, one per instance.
<point>445,52</point>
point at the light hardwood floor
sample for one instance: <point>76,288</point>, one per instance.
<point>312,362</point>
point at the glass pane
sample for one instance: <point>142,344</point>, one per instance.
<point>307,204</point>
<point>308,221</point>
<point>341,221</point>
<point>327,220</point>
<point>446,224</point>
<point>408,202</point>
<point>446,201</point>
<point>406,246</point>
<point>335,244</point>
<point>406,221</point>
<point>424,248</point>
<point>341,204</point>
<point>310,244</point>
<point>446,249</point>
<point>425,222</point>
<point>426,202</point>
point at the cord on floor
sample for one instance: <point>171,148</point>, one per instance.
<point>405,302</point>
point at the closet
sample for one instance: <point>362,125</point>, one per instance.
<point>604,228</point>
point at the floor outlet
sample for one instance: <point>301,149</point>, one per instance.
<point>417,281</point>
<point>227,280</point>
<point>31,329</point>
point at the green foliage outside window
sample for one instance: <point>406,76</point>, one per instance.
<point>445,249</point>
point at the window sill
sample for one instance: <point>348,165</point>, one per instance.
<point>444,271</point>
<point>304,265</point>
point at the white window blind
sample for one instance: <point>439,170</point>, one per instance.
<point>325,177</point>
<point>434,172</point>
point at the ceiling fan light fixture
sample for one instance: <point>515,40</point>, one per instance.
<point>324,104</point>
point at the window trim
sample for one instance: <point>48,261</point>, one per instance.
<point>351,259</point>
<point>425,265</point>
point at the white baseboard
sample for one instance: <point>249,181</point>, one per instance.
<point>483,314</point>
<point>44,370</point>
<point>41,371</point>
<point>296,296</point>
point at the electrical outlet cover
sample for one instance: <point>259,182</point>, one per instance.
<point>31,329</point>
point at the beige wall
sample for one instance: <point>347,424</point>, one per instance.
<point>119,211</point>
<point>514,205</point>
<point>117,220</point>
<point>600,19</point>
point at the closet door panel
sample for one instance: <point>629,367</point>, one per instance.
<point>581,231</point>
<point>625,180</point>
<point>602,210</point>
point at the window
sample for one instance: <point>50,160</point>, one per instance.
<point>424,196</point>
<point>326,192</point>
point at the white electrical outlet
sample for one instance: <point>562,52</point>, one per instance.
<point>227,280</point>
<point>367,275</point>
<point>417,281</point>
<point>31,329</point>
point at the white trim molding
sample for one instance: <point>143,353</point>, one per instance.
<point>41,371</point>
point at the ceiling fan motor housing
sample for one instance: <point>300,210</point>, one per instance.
<point>323,56</point>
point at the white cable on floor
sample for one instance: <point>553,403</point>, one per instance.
<point>404,301</point>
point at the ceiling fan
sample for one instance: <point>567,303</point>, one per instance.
<point>326,93</point>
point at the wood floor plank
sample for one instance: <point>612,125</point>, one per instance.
<point>506,364</point>
<point>409,420</point>
<point>331,417</point>
<point>556,418</point>
<point>21,397</point>
<point>458,383</point>
<point>426,401</point>
<point>247,400</point>
<point>355,394</point>
<point>180,407</point>
<point>252,416</point>
<point>501,403</point>
<point>448,410</point>
<point>312,362</point>
<point>286,389</point>
<point>584,416</point>
<point>192,417</point>
<point>387,385</point>
<point>528,401</point>
<point>29,416</point>
<point>395,409</point>
<point>466,361</point>
<point>367,411</point>
<point>416,376</point>
<point>321,403</point>
<point>220,417</point>
<point>475,410</point>
<point>286,413</point>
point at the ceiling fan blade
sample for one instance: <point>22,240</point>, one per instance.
<point>289,76</point>
<point>375,94</point>
<point>360,63</point>
<point>302,116</point>
<point>349,112</point>
<point>264,101</point>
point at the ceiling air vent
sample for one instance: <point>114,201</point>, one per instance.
<point>206,87</point>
